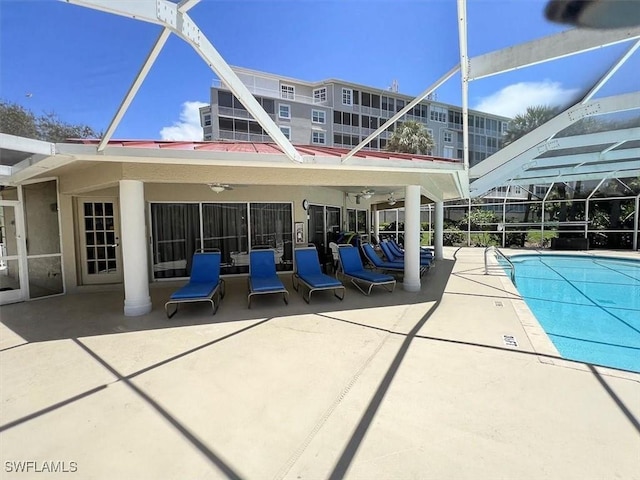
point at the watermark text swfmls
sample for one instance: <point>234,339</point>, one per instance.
<point>34,466</point>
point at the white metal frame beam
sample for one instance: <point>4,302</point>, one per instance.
<point>552,47</point>
<point>611,72</point>
<point>543,180</point>
<point>505,164</point>
<point>135,86</point>
<point>401,112</point>
<point>173,16</point>
<point>26,145</point>
<point>464,74</point>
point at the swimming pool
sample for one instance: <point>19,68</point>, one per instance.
<point>588,305</point>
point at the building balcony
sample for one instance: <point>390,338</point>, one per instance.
<point>275,94</point>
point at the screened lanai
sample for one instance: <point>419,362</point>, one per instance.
<point>573,176</point>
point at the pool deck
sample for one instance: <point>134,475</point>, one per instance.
<point>391,386</point>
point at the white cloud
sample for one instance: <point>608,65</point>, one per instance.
<point>514,99</point>
<point>188,127</point>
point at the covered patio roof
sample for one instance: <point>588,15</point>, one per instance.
<point>237,163</point>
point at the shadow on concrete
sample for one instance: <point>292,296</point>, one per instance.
<point>206,451</point>
<point>349,452</point>
<point>91,314</point>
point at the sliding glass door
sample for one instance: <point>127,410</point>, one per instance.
<point>324,226</point>
<point>179,229</point>
<point>176,236</point>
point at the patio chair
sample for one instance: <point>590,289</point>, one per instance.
<point>309,273</point>
<point>399,251</point>
<point>263,278</point>
<point>391,257</point>
<point>379,264</point>
<point>352,268</point>
<point>205,284</point>
<point>333,246</point>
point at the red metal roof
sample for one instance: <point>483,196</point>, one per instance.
<point>263,148</point>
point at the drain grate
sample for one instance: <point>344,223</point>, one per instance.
<point>498,303</point>
<point>509,340</point>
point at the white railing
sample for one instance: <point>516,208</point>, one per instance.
<point>499,255</point>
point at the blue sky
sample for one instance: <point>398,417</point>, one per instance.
<point>79,62</point>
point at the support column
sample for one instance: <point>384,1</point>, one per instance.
<point>411,281</point>
<point>134,248</point>
<point>376,222</point>
<point>438,240</point>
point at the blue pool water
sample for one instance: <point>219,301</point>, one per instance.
<point>589,306</point>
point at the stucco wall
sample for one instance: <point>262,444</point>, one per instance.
<point>181,192</point>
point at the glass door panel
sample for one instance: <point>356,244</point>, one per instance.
<point>11,289</point>
<point>100,241</point>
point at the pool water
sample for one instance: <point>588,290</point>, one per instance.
<point>589,306</point>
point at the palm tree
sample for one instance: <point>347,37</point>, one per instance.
<point>530,120</point>
<point>522,124</point>
<point>410,137</point>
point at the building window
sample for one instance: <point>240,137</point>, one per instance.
<point>447,137</point>
<point>318,116</point>
<point>505,127</point>
<point>288,92</point>
<point>447,151</point>
<point>438,114</point>
<point>320,95</point>
<point>207,120</point>
<point>347,96</point>
<point>225,99</point>
<point>268,105</point>
<point>284,111</point>
<point>318,138</point>
<point>286,131</point>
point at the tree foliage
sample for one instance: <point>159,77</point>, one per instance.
<point>530,120</point>
<point>410,137</point>
<point>17,120</point>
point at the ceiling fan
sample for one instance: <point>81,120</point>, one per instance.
<point>220,187</point>
<point>366,194</point>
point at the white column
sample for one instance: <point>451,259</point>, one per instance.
<point>134,248</point>
<point>438,240</point>
<point>411,281</point>
<point>376,222</point>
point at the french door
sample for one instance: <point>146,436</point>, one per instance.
<point>100,252</point>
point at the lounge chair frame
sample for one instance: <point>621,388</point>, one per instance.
<point>251,292</point>
<point>391,257</point>
<point>214,297</point>
<point>298,279</point>
<point>365,278</point>
<point>383,266</point>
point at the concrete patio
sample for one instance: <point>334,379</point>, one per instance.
<point>391,386</point>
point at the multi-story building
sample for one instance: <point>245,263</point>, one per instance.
<point>341,114</point>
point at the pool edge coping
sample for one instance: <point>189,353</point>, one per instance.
<point>542,344</point>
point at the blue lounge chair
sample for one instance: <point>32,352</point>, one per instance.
<point>351,267</point>
<point>309,273</point>
<point>263,278</point>
<point>399,252</point>
<point>424,261</point>
<point>205,284</point>
<point>378,263</point>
